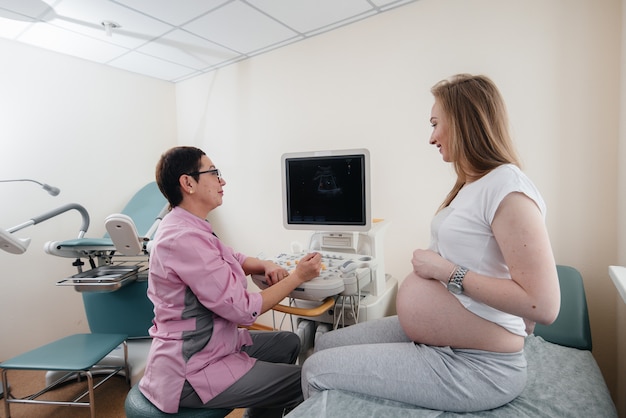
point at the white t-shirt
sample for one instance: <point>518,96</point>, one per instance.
<point>461,233</point>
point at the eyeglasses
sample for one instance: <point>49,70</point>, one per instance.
<point>213,171</point>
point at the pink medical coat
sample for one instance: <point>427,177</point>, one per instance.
<point>186,256</point>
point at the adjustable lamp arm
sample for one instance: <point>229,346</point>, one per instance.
<point>53,191</point>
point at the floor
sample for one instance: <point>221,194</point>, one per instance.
<point>109,398</point>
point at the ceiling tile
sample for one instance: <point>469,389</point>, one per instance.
<point>341,23</point>
<point>189,50</point>
<point>308,15</point>
<point>11,24</point>
<point>183,12</point>
<point>30,8</point>
<point>154,67</point>
<point>60,40</point>
<point>176,39</point>
<point>274,46</point>
<point>389,4</point>
<point>86,17</point>
<point>240,27</point>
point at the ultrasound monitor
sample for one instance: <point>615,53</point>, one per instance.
<point>327,190</point>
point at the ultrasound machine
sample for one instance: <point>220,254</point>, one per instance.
<point>328,193</point>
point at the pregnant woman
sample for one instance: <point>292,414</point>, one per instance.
<point>473,296</point>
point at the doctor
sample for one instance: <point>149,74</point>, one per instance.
<point>200,357</point>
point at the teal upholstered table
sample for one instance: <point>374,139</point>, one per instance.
<point>77,355</point>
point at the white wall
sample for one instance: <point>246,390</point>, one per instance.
<point>368,85</point>
<point>94,132</point>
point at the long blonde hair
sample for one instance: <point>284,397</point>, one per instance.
<point>480,140</point>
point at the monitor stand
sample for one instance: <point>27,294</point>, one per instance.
<point>366,243</point>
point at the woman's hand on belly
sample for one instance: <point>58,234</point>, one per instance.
<point>429,264</point>
<point>430,314</point>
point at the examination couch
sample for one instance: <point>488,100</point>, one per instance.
<point>563,378</point>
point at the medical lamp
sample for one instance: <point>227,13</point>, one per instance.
<point>54,191</point>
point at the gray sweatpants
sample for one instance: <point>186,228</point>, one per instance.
<point>376,358</point>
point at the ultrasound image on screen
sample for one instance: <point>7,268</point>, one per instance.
<point>326,190</point>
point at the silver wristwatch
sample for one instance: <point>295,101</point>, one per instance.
<point>455,284</point>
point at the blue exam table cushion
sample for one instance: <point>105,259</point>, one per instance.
<point>562,382</point>
<point>73,353</point>
<point>87,242</point>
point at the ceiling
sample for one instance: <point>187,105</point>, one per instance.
<point>176,39</point>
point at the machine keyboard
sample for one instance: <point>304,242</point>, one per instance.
<point>341,273</point>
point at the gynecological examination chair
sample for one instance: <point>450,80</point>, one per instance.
<point>113,288</point>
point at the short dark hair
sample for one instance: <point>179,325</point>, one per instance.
<point>174,163</point>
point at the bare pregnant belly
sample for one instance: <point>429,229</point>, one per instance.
<point>429,314</point>
<point>418,307</point>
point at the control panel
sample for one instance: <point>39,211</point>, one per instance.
<point>342,274</point>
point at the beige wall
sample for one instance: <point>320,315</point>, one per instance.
<point>367,85</point>
<point>620,389</point>
<point>96,133</point>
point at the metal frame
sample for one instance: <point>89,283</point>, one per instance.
<point>91,387</point>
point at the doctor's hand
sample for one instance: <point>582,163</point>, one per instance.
<point>430,265</point>
<point>309,266</point>
<point>306,269</point>
<point>274,273</point>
